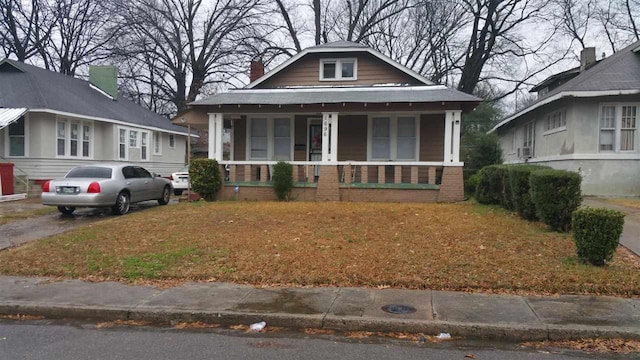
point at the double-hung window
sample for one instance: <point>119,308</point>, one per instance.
<point>172,141</point>
<point>74,134</point>
<point>338,69</point>
<point>557,120</point>
<point>17,138</point>
<point>144,152</point>
<point>157,144</point>
<point>122,144</point>
<point>618,124</point>
<point>528,139</point>
<point>281,139</point>
<point>133,138</point>
<point>258,139</point>
<point>393,138</point>
<point>61,137</point>
<point>73,138</point>
<point>270,138</point>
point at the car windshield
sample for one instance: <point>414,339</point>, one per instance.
<point>184,169</point>
<point>94,172</point>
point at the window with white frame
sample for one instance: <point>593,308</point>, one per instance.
<point>282,139</point>
<point>258,139</point>
<point>528,137</point>
<point>122,144</point>
<point>172,141</point>
<point>157,143</point>
<point>393,138</point>
<point>557,120</point>
<point>144,153</point>
<point>338,69</point>
<point>618,124</point>
<point>133,138</point>
<point>17,138</point>
<point>73,138</point>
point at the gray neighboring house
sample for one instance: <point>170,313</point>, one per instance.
<point>50,122</point>
<point>584,120</point>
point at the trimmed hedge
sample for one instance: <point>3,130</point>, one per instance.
<point>596,233</point>
<point>204,175</point>
<point>491,185</point>
<point>282,180</point>
<point>555,195</point>
<point>519,185</point>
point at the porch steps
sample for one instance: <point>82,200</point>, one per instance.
<point>328,188</point>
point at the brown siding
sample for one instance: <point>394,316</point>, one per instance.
<point>300,138</point>
<point>432,137</point>
<point>240,139</point>
<point>306,71</point>
<point>352,137</point>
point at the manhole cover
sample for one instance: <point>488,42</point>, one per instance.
<point>398,309</point>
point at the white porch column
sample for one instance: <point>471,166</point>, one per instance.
<point>457,121</point>
<point>329,134</point>
<point>448,135</point>
<point>216,128</point>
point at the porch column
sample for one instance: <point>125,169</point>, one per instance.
<point>329,137</point>
<point>457,120</point>
<point>216,128</point>
<point>448,135</point>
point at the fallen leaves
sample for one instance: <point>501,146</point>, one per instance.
<point>621,346</point>
<point>21,317</point>
<point>116,323</point>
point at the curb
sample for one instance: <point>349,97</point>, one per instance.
<point>480,331</point>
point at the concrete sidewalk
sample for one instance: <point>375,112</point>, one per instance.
<point>498,317</point>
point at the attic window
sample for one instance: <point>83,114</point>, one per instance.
<point>338,69</point>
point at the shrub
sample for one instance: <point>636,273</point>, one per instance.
<point>282,180</point>
<point>596,233</point>
<point>519,185</point>
<point>555,195</point>
<point>471,183</point>
<point>204,176</point>
<point>506,200</point>
<point>491,189</point>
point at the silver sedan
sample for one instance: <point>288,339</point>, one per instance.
<point>105,185</point>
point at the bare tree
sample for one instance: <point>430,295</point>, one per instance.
<point>25,27</point>
<point>574,17</point>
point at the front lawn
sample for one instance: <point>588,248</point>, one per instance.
<point>437,246</point>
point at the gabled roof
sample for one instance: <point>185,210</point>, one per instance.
<point>28,86</point>
<point>618,74</point>
<point>340,46</point>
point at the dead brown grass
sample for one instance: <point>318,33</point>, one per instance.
<point>462,247</point>
<point>591,345</point>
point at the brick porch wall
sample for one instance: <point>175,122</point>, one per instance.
<point>452,187</point>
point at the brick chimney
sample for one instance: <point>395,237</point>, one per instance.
<point>256,71</point>
<point>587,58</point>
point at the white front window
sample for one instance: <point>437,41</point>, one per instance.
<point>17,137</point>
<point>393,138</point>
<point>557,120</point>
<point>338,69</point>
<point>133,138</point>
<point>157,143</point>
<point>282,139</point>
<point>144,152</point>
<point>74,138</point>
<point>258,137</point>
<point>270,138</point>
<point>122,144</point>
<point>618,125</point>
<point>172,141</point>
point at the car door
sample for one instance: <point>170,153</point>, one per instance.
<point>146,179</point>
<point>134,183</point>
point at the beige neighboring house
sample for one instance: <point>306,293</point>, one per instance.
<point>50,122</point>
<point>585,120</point>
<point>355,124</point>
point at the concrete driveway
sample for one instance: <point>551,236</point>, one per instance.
<point>631,234</point>
<point>21,231</point>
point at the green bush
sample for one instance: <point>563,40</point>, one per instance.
<point>471,183</point>
<point>491,185</point>
<point>555,195</point>
<point>205,179</point>
<point>519,185</point>
<point>506,200</point>
<point>596,233</point>
<point>282,180</point>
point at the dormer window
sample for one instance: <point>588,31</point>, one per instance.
<point>338,69</point>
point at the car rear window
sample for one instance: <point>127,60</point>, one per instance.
<point>90,172</point>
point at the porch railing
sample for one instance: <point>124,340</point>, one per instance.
<point>350,173</point>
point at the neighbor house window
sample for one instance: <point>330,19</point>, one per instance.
<point>157,144</point>
<point>281,139</point>
<point>618,124</point>
<point>557,120</point>
<point>258,139</point>
<point>393,138</point>
<point>528,138</point>
<point>143,145</point>
<point>133,138</point>
<point>338,69</point>
<point>17,137</point>
<point>172,141</point>
<point>73,138</point>
<point>122,144</point>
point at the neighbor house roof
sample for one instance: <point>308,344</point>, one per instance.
<point>27,86</point>
<point>9,115</point>
<point>336,47</point>
<point>331,95</point>
<point>618,74</point>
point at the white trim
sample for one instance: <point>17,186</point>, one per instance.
<point>125,143</point>
<point>338,89</point>
<point>101,91</point>
<point>617,130</point>
<point>338,69</point>
<point>591,156</point>
<point>357,163</point>
<point>579,94</point>
<point>118,122</point>
<point>148,133</point>
<point>393,136</point>
<point>556,130</point>
<point>448,136</point>
<point>313,50</point>
<point>216,130</point>
<point>67,138</point>
<point>26,138</point>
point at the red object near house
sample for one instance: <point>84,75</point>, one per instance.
<point>6,178</point>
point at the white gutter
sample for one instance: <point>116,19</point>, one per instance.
<point>558,96</point>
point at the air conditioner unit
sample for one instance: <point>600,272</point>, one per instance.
<point>526,153</point>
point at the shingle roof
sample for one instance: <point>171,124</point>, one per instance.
<point>390,94</point>
<point>340,44</point>
<point>27,86</point>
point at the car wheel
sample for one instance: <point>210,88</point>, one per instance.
<point>177,192</point>
<point>166,196</point>
<point>122,204</point>
<point>67,210</point>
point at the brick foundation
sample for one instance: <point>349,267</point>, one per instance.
<point>452,187</point>
<point>328,184</point>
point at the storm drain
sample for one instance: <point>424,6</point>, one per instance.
<point>398,309</point>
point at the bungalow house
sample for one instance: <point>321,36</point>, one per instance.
<point>355,125</point>
<point>584,120</point>
<point>50,122</point>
